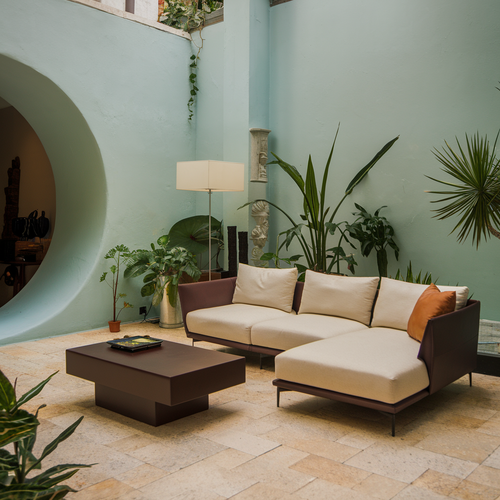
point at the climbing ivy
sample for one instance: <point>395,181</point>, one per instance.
<point>189,15</point>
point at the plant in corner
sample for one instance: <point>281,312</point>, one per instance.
<point>18,427</point>
<point>373,233</point>
<point>317,217</point>
<point>163,268</point>
<point>119,255</point>
<point>474,191</point>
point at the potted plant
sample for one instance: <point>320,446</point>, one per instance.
<point>119,255</point>
<point>163,268</point>
<point>373,232</point>
<point>18,427</point>
<point>317,217</point>
<point>192,234</point>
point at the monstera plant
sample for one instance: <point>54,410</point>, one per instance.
<point>18,427</point>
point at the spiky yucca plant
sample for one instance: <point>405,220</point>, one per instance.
<point>475,188</point>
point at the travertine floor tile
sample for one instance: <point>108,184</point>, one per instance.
<point>319,489</point>
<point>415,493</point>
<point>111,489</point>
<point>343,475</point>
<point>262,491</point>
<point>487,476</point>
<point>380,487</point>
<point>437,482</point>
<point>244,442</point>
<point>461,443</point>
<point>140,476</point>
<point>467,490</point>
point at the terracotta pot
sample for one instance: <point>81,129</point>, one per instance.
<point>114,326</point>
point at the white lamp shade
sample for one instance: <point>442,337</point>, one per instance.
<point>208,175</point>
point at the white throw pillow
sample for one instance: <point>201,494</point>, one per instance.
<point>344,296</point>
<point>260,286</point>
<point>396,300</point>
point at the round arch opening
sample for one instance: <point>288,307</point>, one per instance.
<point>81,199</point>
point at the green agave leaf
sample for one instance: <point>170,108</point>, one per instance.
<point>48,478</point>
<point>290,170</point>
<point>7,393</point>
<point>53,444</point>
<point>362,173</point>
<point>311,201</point>
<point>33,492</point>
<point>7,461</point>
<point>33,392</point>
<point>15,427</point>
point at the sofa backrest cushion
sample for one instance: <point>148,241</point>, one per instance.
<point>431,303</point>
<point>260,286</point>
<point>344,296</point>
<point>396,300</point>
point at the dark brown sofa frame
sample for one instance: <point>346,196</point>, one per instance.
<point>448,348</point>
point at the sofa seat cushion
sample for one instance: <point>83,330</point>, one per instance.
<point>378,363</point>
<point>292,331</point>
<point>232,321</point>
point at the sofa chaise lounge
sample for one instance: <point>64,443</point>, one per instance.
<point>340,337</point>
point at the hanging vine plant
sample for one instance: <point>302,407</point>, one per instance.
<point>189,15</point>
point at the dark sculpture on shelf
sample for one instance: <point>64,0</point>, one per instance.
<point>11,198</point>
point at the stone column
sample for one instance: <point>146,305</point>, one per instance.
<point>258,154</point>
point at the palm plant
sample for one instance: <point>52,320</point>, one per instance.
<point>475,190</point>
<point>317,217</point>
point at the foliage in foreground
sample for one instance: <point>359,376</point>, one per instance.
<point>18,427</point>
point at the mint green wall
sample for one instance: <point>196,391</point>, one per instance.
<point>107,98</point>
<point>424,70</point>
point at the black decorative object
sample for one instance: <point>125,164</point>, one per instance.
<point>232,252</point>
<point>133,344</point>
<point>243,246</point>
<point>42,225</point>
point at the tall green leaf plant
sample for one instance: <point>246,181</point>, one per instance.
<point>18,427</point>
<point>317,218</point>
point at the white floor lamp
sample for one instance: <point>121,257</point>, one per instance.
<point>210,175</point>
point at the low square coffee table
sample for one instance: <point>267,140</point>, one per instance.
<point>155,385</point>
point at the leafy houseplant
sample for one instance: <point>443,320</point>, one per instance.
<point>374,233</point>
<point>192,234</point>
<point>474,191</point>
<point>317,217</point>
<point>19,427</point>
<point>119,255</point>
<point>164,267</point>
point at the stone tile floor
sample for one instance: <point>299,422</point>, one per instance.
<point>243,447</point>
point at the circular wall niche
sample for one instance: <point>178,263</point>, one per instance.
<point>81,199</point>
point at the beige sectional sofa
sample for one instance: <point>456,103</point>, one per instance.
<point>341,337</point>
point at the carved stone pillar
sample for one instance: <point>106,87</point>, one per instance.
<point>260,212</point>
<point>258,154</point>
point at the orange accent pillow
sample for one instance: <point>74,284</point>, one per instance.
<point>431,303</point>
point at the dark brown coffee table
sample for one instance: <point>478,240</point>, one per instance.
<point>156,385</point>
